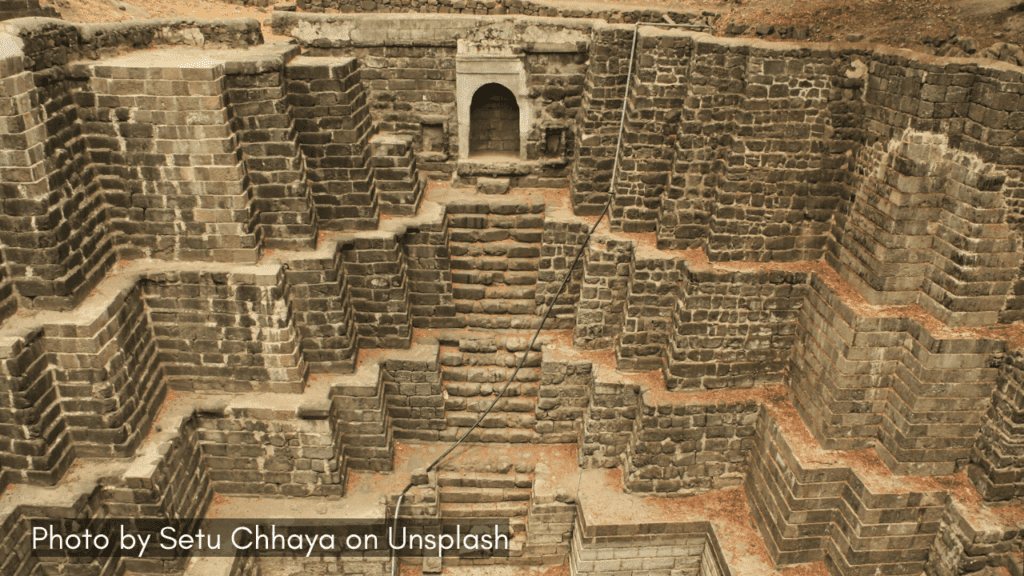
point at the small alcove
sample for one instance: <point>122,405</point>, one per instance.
<point>494,122</point>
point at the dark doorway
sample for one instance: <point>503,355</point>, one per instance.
<point>494,122</point>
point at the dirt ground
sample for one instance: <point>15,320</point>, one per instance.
<point>918,24</point>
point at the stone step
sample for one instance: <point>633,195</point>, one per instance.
<point>406,184</point>
<point>513,342</point>
<point>508,249</point>
<point>496,277</point>
<point>488,375</point>
<point>493,263</point>
<point>499,292</point>
<point>363,430</point>
<point>360,454</point>
<point>274,138</point>
<point>498,322</point>
<point>470,390</point>
<point>485,510</point>
<point>494,420</point>
<point>524,235</point>
<point>357,389</point>
<point>454,357</point>
<point>353,406</point>
<point>492,185</point>
<point>515,306</point>
<point>496,435</point>
<point>471,495</point>
<point>479,404</point>
<point>447,479</point>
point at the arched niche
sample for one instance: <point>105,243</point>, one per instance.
<point>476,68</point>
<point>494,122</point>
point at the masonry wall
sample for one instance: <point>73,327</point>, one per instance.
<point>733,329</point>
<point>108,377</point>
<point>653,291</point>
<point>807,514</point>
<point>894,254</point>
<point>996,462</point>
<point>596,130</point>
<point>556,84</point>
<point>262,451</point>
<point>322,308</point>
<point>25,9</point>
<point>560,243</point>
<point>16,546</point>
<point>378,282</point>
<point>562,399</point>
<point>768,192</point>
<point>225,331</point>
<point>328,103</point>
<point>966,543</point>
<point>270,150</point>
<point>414,398</point>
<point>608,424</point>
<point>36,443</point>
<point>675,548</point>
<point>858,377</point>
<point>668,446</point>
<point>58,241</point>
<point>428,257</point>
<point>689,448</point>
<point>600,314</point>
<point>54,231</point>
<point>178,485</point>
<point>524,7</point>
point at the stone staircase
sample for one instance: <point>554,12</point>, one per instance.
<point>365,426</point>
<point>473,370</point>
<point>273,160</point>
<point>495,248</point>
<point>399,190</point>
<point>468,497</point>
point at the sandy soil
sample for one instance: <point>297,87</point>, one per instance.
<point>918,24</point>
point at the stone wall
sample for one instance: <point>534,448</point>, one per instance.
<point>10,9</point>
<point>560,243</point>
<point>996,464</point>
<point>428,257</point>
<point>409,69</point>
<point>263,451</point>
<point>677,548</point>
<point>59,241</point>
<point>702,21</point>
<point>733,329</point>
<point>268,142</point>
<point>166,479</point>
<point>968,543</point>
<point>176,485</point>
<point>608,424</point>
<point>328,103</point>
<point>107,377</point>
<point>378,283</point>
<point>894,254</point>
<point>322,309</point>
<point>856,377</point>
<point>596,130</point>
<point>36,443</point>
<point>689,448</point>
<point>225,332</point>
<point>808,513</point>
